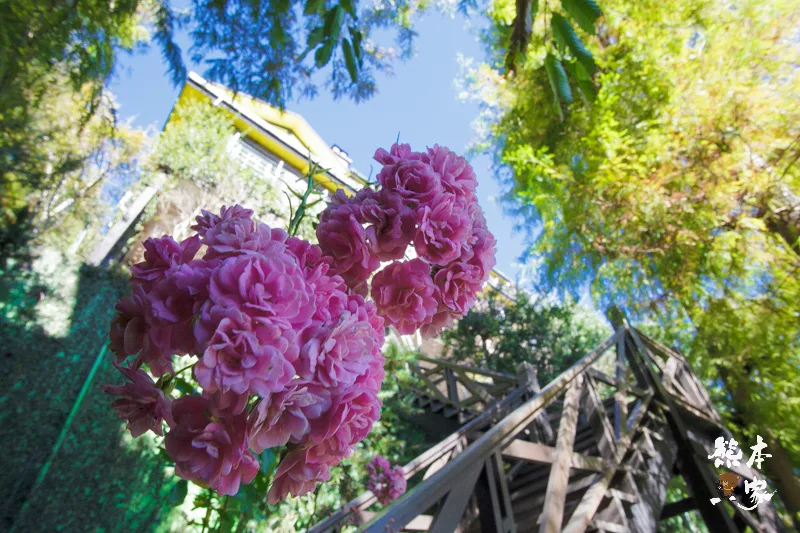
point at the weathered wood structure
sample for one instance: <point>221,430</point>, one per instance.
<point>587,452</point>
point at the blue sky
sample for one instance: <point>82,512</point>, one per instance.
<point>419,102</point>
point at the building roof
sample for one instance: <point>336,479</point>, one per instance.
<point>283,133</point>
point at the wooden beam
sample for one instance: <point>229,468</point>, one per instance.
<point>473,387</point>
<point>553,515</point>
<point>497,376</point>
<point>620,401</point>
<point>588,506</point>
<point>448,519</point>
<point>534,452</point>
<point>599,419</point>
<point>434,488</point>
<point>701,479</point>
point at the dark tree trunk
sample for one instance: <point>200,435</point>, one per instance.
<point>779,466</point>
<point>781,213</point>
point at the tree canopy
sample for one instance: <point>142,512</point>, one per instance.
<point>674,191</point>
<point>499,333</point>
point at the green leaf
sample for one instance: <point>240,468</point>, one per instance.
<point>323,54</point>
<point>316,36</point>
<point>349,7</point>
<point>314,7</point>
<point>558,82</point>
<point>357,49</point>
<point>333,24</point>
<point>567,39</point>
<point>350,60</point>
<point>178,493</point>
<point>584,12</point>
<point>587,89</point>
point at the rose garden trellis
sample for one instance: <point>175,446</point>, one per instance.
<point>587,452</point>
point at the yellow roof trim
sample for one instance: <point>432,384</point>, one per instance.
<point>249,111</point>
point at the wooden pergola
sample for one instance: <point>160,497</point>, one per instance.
<point>587,452</point>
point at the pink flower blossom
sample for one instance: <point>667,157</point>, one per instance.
<point>131,334</point>
<point>309,256</point>
<point>247,355</point>
<point>265,286</point>
<point>342,237</point>
<point>210,451</point>
<point>129,327</point>
<point>141,403</point>
<point>438,323</point>
<point>161,255</point>
<point>224,404</point>
<point>346,423</point>
<point>392,224</point>
<point>173,303</point>
<point>456,174</point>
<point>335,354</point>
<point>284,416</point>
<point>226,234</point>
<point>481,252</point>
<point>458,285</point>
<point>297,476</point>
<point>414,181</point>
<point>404,294</point>
<point>443,230</point>
<point>208,221</point>
<point>397,153</point>
<point>385,482</point>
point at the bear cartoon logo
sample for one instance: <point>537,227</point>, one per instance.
<point>728,482</point>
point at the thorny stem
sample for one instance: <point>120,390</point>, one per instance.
<point>207,518</point>
<point>297,216</point>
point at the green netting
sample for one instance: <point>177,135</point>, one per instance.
<point>99,479</point>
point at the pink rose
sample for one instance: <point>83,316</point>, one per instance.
<point>341,236</point>
<point>392,224</point>
<point>334,355</point>
<point>457,175</point>
<point>284,416</point>
<point>404,294</point>
<point>141,403</point>
<point>385,482</point>
<point>129,327</point>
<point>481,252</point>
<point>458,285</point>
<point>247,355</point>
<point>208,221</point>
<point>296,476</point>
<point>414,181</point>
<point>270,286</point>
<point>210,451</point>
<point>441,320</point>
<point>225,235</point>
<point>397,153</point>
<point>161,255</point>
<point>346,423</point>
<point>131,334</point>
<point>443,231</point>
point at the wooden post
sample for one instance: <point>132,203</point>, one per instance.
<point>555,499</point>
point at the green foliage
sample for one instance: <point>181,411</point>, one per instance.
<point>526,44</point>
<point>499,334</point>
<point>200,144</point>
<point>676,193</point>
<point>584,12</point>
<point>54,164</point>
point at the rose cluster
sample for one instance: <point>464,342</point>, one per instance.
<point>287,355</point>
<point>426,200</point>
<point>385,482</point>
